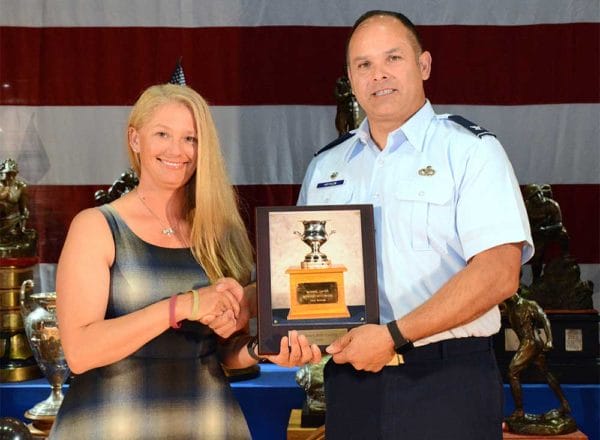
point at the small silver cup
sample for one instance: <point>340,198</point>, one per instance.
<point>314,235</point>
<point>41,326</point>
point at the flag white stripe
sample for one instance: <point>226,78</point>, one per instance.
<point>209,13</point>
<point>273,144</point>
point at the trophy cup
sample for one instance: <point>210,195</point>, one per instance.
<point>314,236</point>
<point>18,262</point>
<point>317,286</point>
<point>41,327</point>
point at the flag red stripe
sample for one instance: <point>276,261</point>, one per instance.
<point>50,216</point>
<point>492,65</point>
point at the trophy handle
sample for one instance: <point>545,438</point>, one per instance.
<point>26,285</point>
<point>298,234</point>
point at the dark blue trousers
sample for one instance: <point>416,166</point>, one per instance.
<point>450,390</point>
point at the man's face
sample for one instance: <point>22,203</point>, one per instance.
<point>386,71</point>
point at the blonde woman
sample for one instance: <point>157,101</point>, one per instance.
<point>150,285</point>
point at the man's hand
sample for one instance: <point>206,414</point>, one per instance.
<point>368,347</point>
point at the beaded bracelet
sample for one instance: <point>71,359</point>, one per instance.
<point>195,304</point>
<point>172,303</point>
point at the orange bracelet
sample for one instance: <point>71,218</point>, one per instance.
<point>172,303</point>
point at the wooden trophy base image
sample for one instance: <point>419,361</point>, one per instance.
<point>317,293</point>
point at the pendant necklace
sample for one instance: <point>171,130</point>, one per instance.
<point>167,230</point>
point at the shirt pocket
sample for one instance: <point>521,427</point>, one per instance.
<point>427,210</point>
<point>331,195</point>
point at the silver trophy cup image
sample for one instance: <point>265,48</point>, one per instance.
<point>314,235</point>
<point>39,318</point>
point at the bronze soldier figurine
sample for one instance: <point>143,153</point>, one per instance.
<point>15,239</point>
<point>525,318</point>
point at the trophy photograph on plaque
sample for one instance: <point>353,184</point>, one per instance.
<point>316,272</point>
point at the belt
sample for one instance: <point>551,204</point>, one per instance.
<point>446,349</point>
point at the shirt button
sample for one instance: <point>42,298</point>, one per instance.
<point>380,162</point>
<point>421,193</point>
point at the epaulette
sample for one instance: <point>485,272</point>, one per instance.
<point>335,142</point>
<point>471,126</point>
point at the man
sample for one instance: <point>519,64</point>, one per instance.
<point>451,234</point>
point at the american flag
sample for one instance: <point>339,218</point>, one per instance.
<point>528,71</point>
<point>178,77</point>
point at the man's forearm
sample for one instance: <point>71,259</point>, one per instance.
<point>488,279</point>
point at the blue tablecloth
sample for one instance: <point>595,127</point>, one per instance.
<point>268,399</point>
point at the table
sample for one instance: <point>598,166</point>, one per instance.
<point>267,401</point>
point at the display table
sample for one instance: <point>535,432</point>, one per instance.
<point>267,401</point>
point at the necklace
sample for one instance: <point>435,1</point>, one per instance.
<point>167,230</point>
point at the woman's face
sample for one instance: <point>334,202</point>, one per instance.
<point>167,145</point>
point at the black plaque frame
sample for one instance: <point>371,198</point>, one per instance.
<point>270,328</point>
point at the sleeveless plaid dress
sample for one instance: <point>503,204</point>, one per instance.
<point>171,388</point>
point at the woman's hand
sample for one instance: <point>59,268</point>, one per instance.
<point>220,300</point>
<point>228,324</point>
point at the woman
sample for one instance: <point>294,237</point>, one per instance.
<point>148,357</point>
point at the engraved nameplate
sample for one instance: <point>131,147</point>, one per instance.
<point>317,293</point>
<point>323,336</point>
<point>573,339</point>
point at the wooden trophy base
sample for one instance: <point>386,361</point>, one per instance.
<point>296,432</point>
<point>577,435</point>
<point>317,293</point>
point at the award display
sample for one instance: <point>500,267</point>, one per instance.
<point>41,326</point>
<point>322,293</point>
<point>317,286</point>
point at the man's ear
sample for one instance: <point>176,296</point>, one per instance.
<point>425,65</point>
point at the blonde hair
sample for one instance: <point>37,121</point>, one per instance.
<point>218,235</point>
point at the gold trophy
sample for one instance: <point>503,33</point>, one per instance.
<point>18,259</point>
<point>317,285</point>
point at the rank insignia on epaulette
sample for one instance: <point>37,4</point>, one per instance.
<point>477,130</point>
<point>335,143</point>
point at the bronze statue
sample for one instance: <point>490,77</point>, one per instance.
<point>546,224</point>
<point>349,114</point>
<point>556,284</point>
<point>561,287</point>
<point>310,378</point>
<point>526,317</point>
<point>125,183</point>
<point>15,239</point>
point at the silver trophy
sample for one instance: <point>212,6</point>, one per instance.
<point>39,318</point>
<point>314,236</point>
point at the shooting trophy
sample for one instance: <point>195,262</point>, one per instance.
<point>41,326</point>
<point>18,261</point>
<point>317,285</point>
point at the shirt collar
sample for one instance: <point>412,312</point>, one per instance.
<point>412,130</point>
<point>416,127</point>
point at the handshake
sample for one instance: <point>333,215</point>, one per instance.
<point>226,307</point>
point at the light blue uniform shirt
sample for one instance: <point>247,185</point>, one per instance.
<point>440,195</point>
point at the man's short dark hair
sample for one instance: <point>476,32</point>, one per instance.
<point>397,15</point>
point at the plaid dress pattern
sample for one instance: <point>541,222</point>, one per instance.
<point>171,388</point>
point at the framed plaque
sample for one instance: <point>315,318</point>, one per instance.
<point>316,272</point>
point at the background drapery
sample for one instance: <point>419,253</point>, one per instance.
<point>70,70</point>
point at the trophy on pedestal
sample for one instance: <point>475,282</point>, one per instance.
<point>18,259</point>
<point>317,286</point>
<point>41,326</point>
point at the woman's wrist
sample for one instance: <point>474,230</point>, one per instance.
<point>184,305</point>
